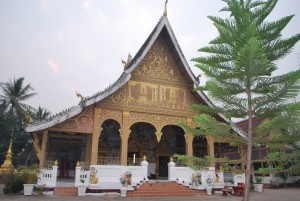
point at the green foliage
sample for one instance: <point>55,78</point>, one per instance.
<point>240,68</point>
<point>17,184</point>
<point>258,180</point>
<point>30,173</point>
<point>14,114</point>
<point>8,178</point>
<point>39,188</point>
<point>41,114</point>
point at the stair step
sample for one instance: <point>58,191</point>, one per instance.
<point>65,191</point>
<point>165,189</point>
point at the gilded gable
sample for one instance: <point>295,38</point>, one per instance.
<point>159,64</point>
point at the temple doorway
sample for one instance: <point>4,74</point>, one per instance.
<point>109,143</point>
<point>142,142</point>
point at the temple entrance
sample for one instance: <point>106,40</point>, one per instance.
<point>142,141</point>
<point>172,141</point>
<point>66,148</point>
<point>109,143</point>
<point>163,166</point>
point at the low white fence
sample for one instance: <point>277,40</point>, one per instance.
<point>108,176</point>
<point>48,177</point>
<point>184,175</point>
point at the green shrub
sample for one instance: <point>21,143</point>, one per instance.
<point>17,184</point>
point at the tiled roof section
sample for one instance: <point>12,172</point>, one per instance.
<point>244,124</point>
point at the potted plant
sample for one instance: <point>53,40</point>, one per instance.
<point>258,186</point>
<point>30,175</point>
<point>208,188</point>
<point>81,188</point>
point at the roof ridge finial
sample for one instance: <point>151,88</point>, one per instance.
<point>165,11</point>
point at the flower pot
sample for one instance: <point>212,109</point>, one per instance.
<point>123,191</point>
<point>208,190</point>
<point>81,190</point>
<point>258,187</point>
<point>28,188</point>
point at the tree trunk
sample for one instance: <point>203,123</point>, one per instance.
<point>249,150</point>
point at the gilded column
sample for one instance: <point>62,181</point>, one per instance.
<point>95,137</point>
<point>189,139</point>
<point>211,149</point>
<point>124,137</point>
<point>43,150</point>
<point>36,145</point>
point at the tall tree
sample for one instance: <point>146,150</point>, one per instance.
<point>15,111</point>
<point>240,69</point>
<point>283,133</point>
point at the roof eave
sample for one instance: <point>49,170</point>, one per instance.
<point>41,125</point>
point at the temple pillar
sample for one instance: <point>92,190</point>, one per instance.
<point>189,139</point>
<point>44,147</point>
<point>124,137</point>
<point>36,145</point>
<point>95,137</point>
<point>88,148</point>
<point>211,149</point>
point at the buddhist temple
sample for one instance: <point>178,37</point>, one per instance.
<point>136,116</point>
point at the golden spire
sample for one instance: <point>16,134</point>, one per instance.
<point>171,159</point>
<point>55,163</point>
<point>7,165</point>
<point>165,11</point>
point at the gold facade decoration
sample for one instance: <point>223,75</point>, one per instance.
<point>111,114</point>
<point>118,97</point>
<point>158,136</point>
<point>81,122</point>
<point>173,98</point>
<point>158,121</point>
<point>142,94</point>
<point>159,64</point>
<point>37,146</point>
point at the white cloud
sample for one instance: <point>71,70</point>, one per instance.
<point>53,66</point>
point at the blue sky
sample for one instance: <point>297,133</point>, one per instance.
<point>61,46</point>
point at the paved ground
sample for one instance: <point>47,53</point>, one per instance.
<point>289,194</point>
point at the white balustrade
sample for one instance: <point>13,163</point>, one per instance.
<point>48,177</point>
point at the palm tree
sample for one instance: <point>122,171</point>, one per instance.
<point>13,96</point>
<point>16,113</point>
<point>41,114</point>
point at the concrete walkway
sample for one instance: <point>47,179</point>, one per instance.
<point>289,194</point>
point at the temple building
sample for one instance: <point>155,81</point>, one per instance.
<point>136,116</point>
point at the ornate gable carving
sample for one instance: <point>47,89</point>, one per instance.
<point>81,122</point>
<point>159,64</point>
<point>119,97</point>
